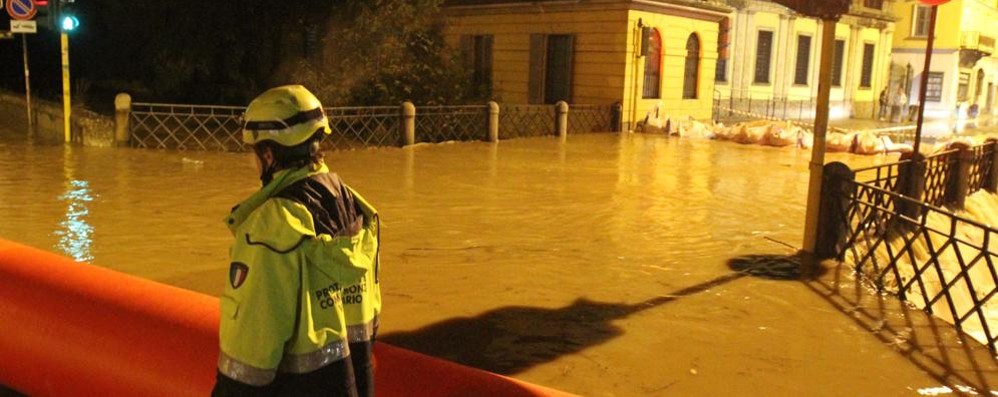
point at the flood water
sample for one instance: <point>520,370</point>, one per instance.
<point>602,265</point>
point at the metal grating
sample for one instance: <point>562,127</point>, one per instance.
<point>452,123</point>
<point>186,127</point>
<point>357,127</point>
<point>589,118</point>
<point>947,272</point>
<point>520,121</point>
<point>937,171</point>
<point>981,167</point>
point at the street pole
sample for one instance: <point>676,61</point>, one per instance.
<point>66,109</point>
<point>27,83</point>
<point>925,79</point>
<point>820,129</point>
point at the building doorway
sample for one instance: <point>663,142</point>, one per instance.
<point>551,59</point>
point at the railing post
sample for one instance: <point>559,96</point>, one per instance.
<point>911,184</point>
<point>122,117</point>
<point>407,126</point>
<point>616,117</point>
<point>958,185</point>
<point>493,121</point>
<point>835,195</point>
<point>561,119</point>
<point>991,183</point>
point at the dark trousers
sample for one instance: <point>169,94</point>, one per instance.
<point>335,379</point>
<point>362,355</point>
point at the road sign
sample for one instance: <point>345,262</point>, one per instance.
<point>6,35</point>
<point>23,26</point>
<point>21,10</point>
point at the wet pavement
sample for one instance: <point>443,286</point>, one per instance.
<point>605,265</point>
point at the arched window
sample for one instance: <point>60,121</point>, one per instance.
<point>692,76</point>
<point>653,66</point>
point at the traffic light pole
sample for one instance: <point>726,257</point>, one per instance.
<point>27,84</point>
<point>66,108</point>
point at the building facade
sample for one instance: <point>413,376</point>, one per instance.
<point>769,59</point>
<point>964,69</point>
<point>640,54</point>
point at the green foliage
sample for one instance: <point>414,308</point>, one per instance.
<point>350,52</point>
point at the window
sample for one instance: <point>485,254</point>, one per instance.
<point>721,70</point>
<point>763,56</point>
<point>692,75</point>
<point>866,75</point>
<point>803,59</point>
<point>934,89</point>
<point>550,73</point>
<point>476,51</point>
<point>837,59</point>
<point>875,4</point>
<point>653,65</point>
<point>920,21</point>
<point>962,87</point>
<point>979,87</point>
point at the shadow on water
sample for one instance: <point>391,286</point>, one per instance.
<point>933,345</point>
<point>512,339</point>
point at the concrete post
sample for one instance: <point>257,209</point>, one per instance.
<point>616,115</point>
<point>991,183</point>
<point>407,125</point>
<point>834,204</point>
<point>911,184</point>
<point>561,119</point>
<point>122,117</point>
<point>493,121</point>
<point>958,183</point>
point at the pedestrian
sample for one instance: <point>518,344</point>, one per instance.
<point>897,101</point>
<point>299,241</point>
<point>882,111</point>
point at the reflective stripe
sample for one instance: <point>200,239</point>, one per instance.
<point>308,362</point>
<point>243,372</point>
<point>361,332</point>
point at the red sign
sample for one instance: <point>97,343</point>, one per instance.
<point>933,2</point>
<point>21,10</point>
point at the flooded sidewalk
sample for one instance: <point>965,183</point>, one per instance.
<point>606,265</point>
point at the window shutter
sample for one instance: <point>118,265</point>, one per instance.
<point>535,82</point>
<point>468,51</point>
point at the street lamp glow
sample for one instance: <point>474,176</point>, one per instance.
<point>69,23</point>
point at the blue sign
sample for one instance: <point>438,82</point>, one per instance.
<point>21,10</point>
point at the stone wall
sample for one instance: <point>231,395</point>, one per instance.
<point>87,128</point>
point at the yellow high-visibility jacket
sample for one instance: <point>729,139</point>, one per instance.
<point>282,309</point>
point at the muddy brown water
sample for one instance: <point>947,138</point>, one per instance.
<point>604,265</point>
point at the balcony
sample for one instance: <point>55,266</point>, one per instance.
<point>974,46</point>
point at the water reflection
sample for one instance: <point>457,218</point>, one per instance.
<point>75,233</point>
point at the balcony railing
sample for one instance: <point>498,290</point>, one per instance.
<point>978,42</point>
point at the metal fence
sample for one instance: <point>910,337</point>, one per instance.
<point>906,245</point>
<point>198,127</point>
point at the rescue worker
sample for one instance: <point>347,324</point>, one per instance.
<point>298,241</point>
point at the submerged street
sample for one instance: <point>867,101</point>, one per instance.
<point>606,265</point>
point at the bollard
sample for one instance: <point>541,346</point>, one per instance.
<point>407,125</point>
<point>122,116</point>
<point>493,122</point>
<point>911,184</point>
<point>832,209</point>
<point>958,183</point>
<point>561,119</point>
<point>991,183</point>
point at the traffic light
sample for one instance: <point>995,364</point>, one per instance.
<point>67,16</point>
<point>45,18</point>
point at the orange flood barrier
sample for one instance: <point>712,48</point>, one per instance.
<point>68,328</point>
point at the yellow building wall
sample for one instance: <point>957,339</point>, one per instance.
<point>948,25</point>
<point>674,32</point>
<point>869,94</point>
<point>600,45</point>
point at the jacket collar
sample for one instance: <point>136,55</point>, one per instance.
<point>281,180</point>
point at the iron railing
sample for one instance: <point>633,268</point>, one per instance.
<point>940,269</point>
<point>521,121</point>
<point>590,118</point>
<point>452,123</point>
<point>198,127</point>
<point>889,223</point>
